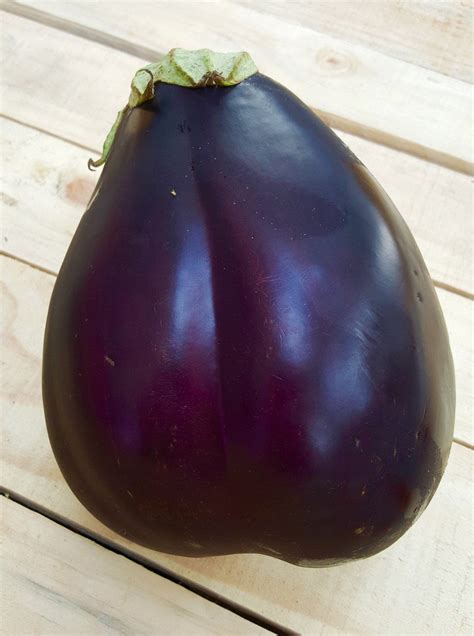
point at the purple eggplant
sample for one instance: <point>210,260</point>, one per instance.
<point>244,351</point>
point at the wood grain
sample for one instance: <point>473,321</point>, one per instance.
<point>421,111</point>
<point>44,194</point>
<point>364,61</point>
<point>55,581</point>
<point>434,35</point>
<point>419,585</point>
<point>47,186</point>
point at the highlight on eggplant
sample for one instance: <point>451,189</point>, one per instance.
<point>244,352</point>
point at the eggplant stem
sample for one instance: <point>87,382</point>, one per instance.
<point>191,69</point>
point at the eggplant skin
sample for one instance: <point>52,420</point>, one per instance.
<point>244,351</point>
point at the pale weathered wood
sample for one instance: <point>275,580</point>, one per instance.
<point>43,194</point>
<point>55,581</point>
<point>47,186</point>
<point>459,316</point>
<point>435,202</point>
<point>353,87</point>
<point>436,34</point>
<point>419,585</point>
<point>423,584</point>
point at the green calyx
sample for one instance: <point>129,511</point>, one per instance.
<point>192,69</point>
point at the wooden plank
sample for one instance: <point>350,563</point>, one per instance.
<point>436,35</point>
<point>459,315</point>
<point>47,185</point>
<point>419,585</point>
<point>55,581</point>
<point>422,112</point>
<point>44,194</point>
<point>435,202</point>
<point>47,188</point>
<point>68,98</point>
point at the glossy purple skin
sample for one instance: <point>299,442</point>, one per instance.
<point>259,363</point>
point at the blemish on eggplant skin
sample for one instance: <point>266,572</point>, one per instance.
<point>173,192</point>
<point>193,544</point>
<point>109,361</point>
<point>419,296</point>
<point>366,531</point>
<point>377,463</point>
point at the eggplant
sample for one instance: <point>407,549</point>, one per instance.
<point>244,352</point>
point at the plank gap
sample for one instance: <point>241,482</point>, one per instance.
<point>462,442</point>
<point>403,144</point>
<point>24,261</point>
<point>40,268</point>
<point>148,565</point>
<point>454,290</point>
<point>43,131</point>
<point>343,124</point>
<point>74,28</point>
<point>420,190</point>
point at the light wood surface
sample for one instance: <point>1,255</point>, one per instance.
<point>427,564</point>
<point>68,103</point>
<point>434,35</point>
<point>52,187</point>
<point>396,72</point>
<point>55,581</point>
<point>354,88</point>
<point>53,174</point>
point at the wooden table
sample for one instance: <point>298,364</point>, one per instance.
<point>392,77</point>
